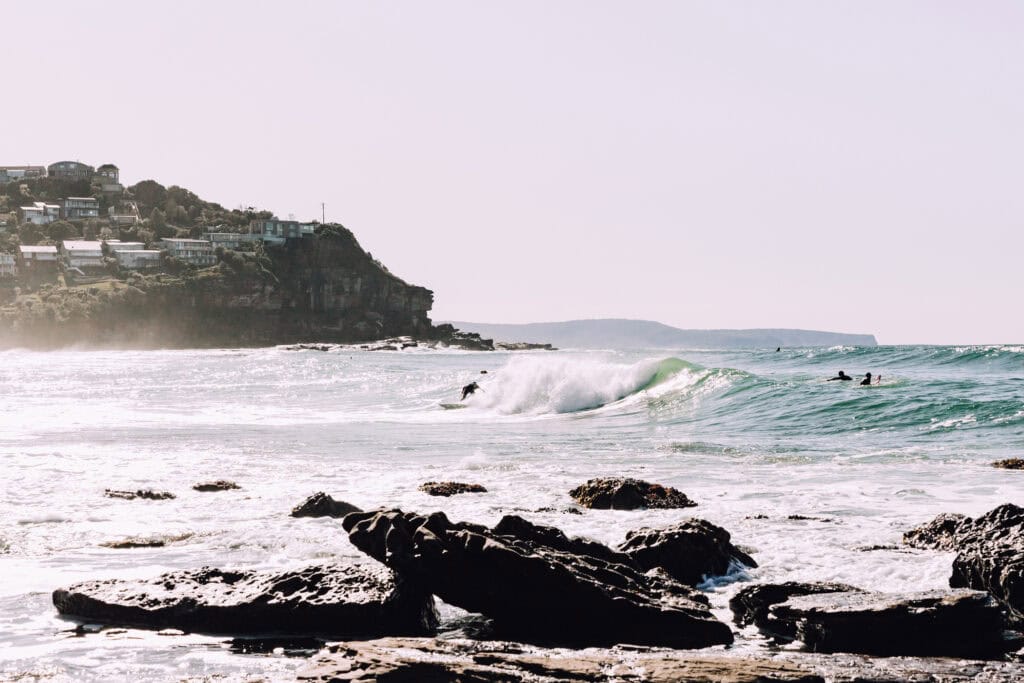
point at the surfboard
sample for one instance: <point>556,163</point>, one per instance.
<point>453,406</point>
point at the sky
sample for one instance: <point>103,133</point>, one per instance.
<point>844,166</point>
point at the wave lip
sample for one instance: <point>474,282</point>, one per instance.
<point>537,385</point>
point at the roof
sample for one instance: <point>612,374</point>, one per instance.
<point>107,167</point>
<point>29,249</point>
<point>82,245</point>
<point>81,199</point>
<point>182,240</point>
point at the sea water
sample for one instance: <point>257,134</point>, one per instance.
<point>754,437</point>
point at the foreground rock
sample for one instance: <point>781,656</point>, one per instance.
<point>143,494</point>
<point>1010,464</point>
<point>537,584</point>
<point>334,600</point>
<point>990,552</point>
<point>322,505</point>
<point>450,488</point>
<point>959,623</point>
<point>219,485</point>
<point>428,660</point>
<point>752,605</point>
<point>689,551</point>
<point>628,494</point>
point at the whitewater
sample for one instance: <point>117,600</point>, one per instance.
<point>816,479</point>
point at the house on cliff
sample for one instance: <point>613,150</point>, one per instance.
<point>12,173</point>
<point>40,213</point>
<point>197,252</point>
<point>79,208</point>
<point>71,170</point>
<point>83,254</point>
<point>274,231</point>
<point>8,266</point>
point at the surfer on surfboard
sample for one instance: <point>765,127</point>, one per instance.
<point>469,390</point>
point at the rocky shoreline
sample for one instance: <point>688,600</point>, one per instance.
<point>555,608</point>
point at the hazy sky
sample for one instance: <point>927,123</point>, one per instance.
<point>849,166</point>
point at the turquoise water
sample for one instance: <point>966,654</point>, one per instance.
<point>752,436</point>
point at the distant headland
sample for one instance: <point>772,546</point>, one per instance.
<point>86,261</point>
<point>637,334</point>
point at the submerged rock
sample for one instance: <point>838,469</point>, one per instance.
<point>335,600</point>
<point>959,623</point>
<point>219,485</point>
<point>628,494</point>
<point>536,583</point>
<point>144,494</point>
<point>751,605</point>
<point>450,488</point>
<point>322,505</point>
<point>689,551</point>
<point>1010,464</point>
<point>990,552</point>
<point>145,541</point>
<point>430,660</point>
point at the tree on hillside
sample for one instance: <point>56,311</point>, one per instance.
<point>29,233</point>
<point>149,195</point>
<point>61,230</point>
<point>158,223</point>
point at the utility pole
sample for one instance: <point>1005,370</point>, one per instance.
<point>323,214</point>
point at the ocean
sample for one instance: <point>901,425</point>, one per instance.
<point>817,480</point>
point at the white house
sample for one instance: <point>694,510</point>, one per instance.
<point>137,259</point>
<point>83,253</point>
<point>40,213</point>
<point>274,231</point>
<point>197,252</point>
<point>8,267</point>
<point>41,259</point>
<point>231,240</point>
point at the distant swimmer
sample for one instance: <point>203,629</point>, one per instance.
<point>469,390</point>
<point>777,349</point>
<point>866,382</point>
<point>842,375</point>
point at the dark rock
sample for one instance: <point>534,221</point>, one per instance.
<point>1010,464</point>
<point>322,505</point>
<point>430,660</point>
<point>939,534</point>
<point>565,511</point>
<point>450,488</point>
<point>628,494</point>
<point>536,583</point>
<point>144,494</point>
<point>523,346</point>
<point>219,485</point>
<point>961,623</point>
<point>689,551</point>
<point>990,557</point>
<point>335,600</point>
<point>751,605</point>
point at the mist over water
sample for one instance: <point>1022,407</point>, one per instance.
<point>746,434</point>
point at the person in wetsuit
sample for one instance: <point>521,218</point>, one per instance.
<point>468,390</point>
<point>866,381</point>
<point>842,376</point>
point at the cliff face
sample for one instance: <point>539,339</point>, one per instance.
<point>317,289</point>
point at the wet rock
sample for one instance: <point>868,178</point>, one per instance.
<point>430,660</point>
<point>990,557</point>
<point>335,600</point>
<point>751,605</point>
<point>145,541</point>
<point>1010,464</point>
<point>523,346</point>
<point>628,494</point>
<point>939,534</point>
<point>689,551</point>
<point>322,505</point>
<point>959,623</point>
<point>537,584</point>
<point>564,511</point>
<point>219,485</point>
<point>450,488</point>
<point>143,494</point>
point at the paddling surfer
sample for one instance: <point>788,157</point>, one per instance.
<point>841,376</point>
<point>866,382</point>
